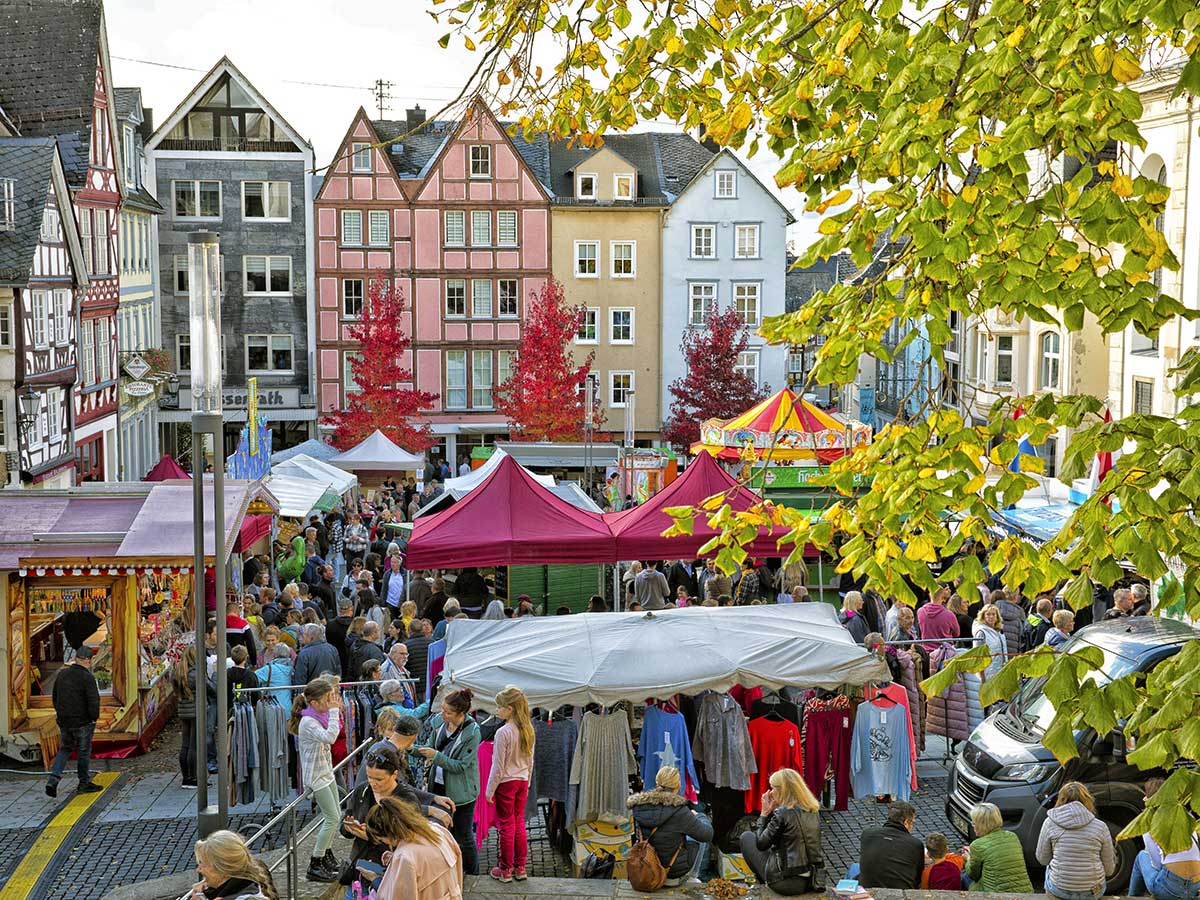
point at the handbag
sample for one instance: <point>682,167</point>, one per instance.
<point>599,864</point>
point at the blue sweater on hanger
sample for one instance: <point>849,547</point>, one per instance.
<point>665,742</point>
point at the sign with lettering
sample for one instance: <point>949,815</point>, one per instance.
<point>268,398</point>
<point>252,414</point>
<point>136,367</point>
<point>139,388</point>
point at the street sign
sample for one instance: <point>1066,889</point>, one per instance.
<point>136,367</point>
<point>139,389</point>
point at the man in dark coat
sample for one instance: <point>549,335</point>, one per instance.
<point>76,701</point>
<point>890,856</point>
<point>336,630</point>
<point>316,656</point>
<point>684,573</point>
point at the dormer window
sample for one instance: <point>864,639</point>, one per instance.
<point>481,161</point>
<point>131,162</point>
<point>361,160</point>
<point>50,226</point>
<point>8,204</point>
<point>623,186</point>
<point>585,186</point>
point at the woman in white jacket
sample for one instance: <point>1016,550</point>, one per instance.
<point>316,722</point>
<point>988,629</point>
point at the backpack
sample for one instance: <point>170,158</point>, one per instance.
<point>644,869</point>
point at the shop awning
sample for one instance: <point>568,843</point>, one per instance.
<point>297,496</point>
<point>304,466</point>
<point>1041,523</point>
<point>510,519</point>
<point>607,657</point>
<point>253,530</point>
<point>639,530</point>
<point>379,453</point>
<point>476,477</point>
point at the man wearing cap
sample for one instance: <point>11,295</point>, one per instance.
<point>77,707</point>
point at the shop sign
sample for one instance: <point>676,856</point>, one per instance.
<point>268,398</point>
<point>136,368</point>
<point>139,388</point>
<point>779,477</point>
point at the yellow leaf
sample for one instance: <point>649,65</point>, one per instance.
<point>673,45</point>
<point>804,90</point>
<point>848,37</point>
<point>1136,277</point>
<point>920,549</point>
<point>1125,67</point>
<point>1122,185</point>
<point>1071,263</point>
<point>969,193</point>
<point>829,226</point>
<point>1105,167</point>
<point>1103,56</point>
<point>470,43</point>
<point>839,198</point>
<point>1015,38</point>
<point>742,115</point>
<point>973,486</point>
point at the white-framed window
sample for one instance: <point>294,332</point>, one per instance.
<point>624,258</point>
<point>745,242</point>
<point>183,352</point>
<point>509,293</point>
<point>85,239</point>
<point>456,227</point>
<point>101,234</point>
<point>587,259</point>
<point>1051,360</point>
<point>130,157</point>
<point>8,204</point>
<point>53,405</point>
<point>39,300</point>
<point>620,325</point>
<point>267,353</point>
<point>623,186</point>
<point>352,232</point>
<point>456,379</point>
<point>87,352</point>
<point>1004,359</point>
<point>349,384</point>
<point>6,323</point>
<point>104,361</point>
<point>197,199</point>
<point>505,362</point>
<point>51,226</point>
<point>123,241</point>
<point>702,298</point>
<point>456,298</point>
<point>360,160</point>
<point>269,201</point>
<point>704,242</point>
<point>378,232</point>
<point>481,161</point>
<point>506,227</point>
<point>62,316</point>
<point>589,326</point>
<point>181,274</point>
<point>745,301</point>
<point>585,186</point>
<point>481,228</point>
<point>620,386</point>
<point>726,184</point>
<point>982,341</point>
<point>481,298</point>
<point>353,297</point>
<point>481,379</point>
<point>747,364</point>
<point>267,274</point>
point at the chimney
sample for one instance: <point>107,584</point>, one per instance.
<point>414,118</point>
<point>708,143</point>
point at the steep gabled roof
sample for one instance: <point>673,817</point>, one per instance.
<point>48,52</point>
<point>129,103</point>
<point>727,153</point>
<point>665,162</point>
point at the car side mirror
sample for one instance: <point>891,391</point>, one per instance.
<point>1102,749</point>
<point>1118,743</point>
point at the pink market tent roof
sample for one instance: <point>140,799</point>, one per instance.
<point>166,469</point>
<point>510,519</point>
<point>378,453</point>
<point>639,530</point>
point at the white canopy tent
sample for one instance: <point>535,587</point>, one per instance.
<point>606,657</point>
<point>303,466</point>
<point>379,453</point>
<point>297,496</point>
<point>467,483</point>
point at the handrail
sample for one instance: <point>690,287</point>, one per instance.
<point>299,687</point>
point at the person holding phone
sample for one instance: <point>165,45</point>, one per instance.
<point>454,769</point>
<point>784,849</point>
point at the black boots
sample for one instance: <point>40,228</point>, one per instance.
<point>319,869</point>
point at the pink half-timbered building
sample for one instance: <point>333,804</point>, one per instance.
<point>56,81</point>
<point>458,213</point>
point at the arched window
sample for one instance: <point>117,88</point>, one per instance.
<point>1160,224</point>
<point>1051,360</point>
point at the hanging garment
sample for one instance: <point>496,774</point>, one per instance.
<point>776,746</point>
<point>773,703</point>
<point>972,682</point>
<point>827,750</point>
<point>898,695</point>
<point>273,750</point>
<point>485,813</point>
<point>910,677</point>
<point>948,712</point>
<point>601,767</point>
<point>553,751</point>
<point>435,661</point>
<point>745,696</point>
<point>722,743</point>
<point>243,751</point>
<point>880,759</point>
<point>664,742</point>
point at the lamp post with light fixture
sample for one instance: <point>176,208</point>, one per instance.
<point>204,307</point>
<point>30,402</point>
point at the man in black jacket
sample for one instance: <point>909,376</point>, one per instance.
<point>76,707</point>
<point>684,573</point>
<point>420,631</point>
<point>336,630</point>
<point>890,856</point>
<point>316,657</point>
<point>370,647</point>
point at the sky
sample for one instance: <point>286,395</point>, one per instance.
<point>339,48</point>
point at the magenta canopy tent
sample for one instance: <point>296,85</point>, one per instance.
<point>166,469</point>
<point>509,519</point>
<point>639,530</point>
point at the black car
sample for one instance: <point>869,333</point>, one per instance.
<point>1005,763</point>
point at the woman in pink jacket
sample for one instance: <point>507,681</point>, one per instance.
<point>425,862</point>
<point>508,783</point>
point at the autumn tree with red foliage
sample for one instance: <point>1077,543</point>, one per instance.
<point>543,398</point>
<point>380,401</point>
<point>712,387</point>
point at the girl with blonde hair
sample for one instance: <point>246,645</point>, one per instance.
<point>425,863</point>
<point>508,782</point>
<point>784,849</point>
<point>662,816</point>
<point>316,722</point>
<point>228,871</point>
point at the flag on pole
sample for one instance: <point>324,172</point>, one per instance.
<point>1105,462</point>
<point>1024,448</point>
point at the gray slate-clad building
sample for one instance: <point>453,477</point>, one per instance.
<point>226,161</point>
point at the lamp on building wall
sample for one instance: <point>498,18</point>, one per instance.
<point>204,305</point>
<point>30,403</point>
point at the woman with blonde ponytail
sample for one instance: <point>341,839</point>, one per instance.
<point>316,722</point>
<point>508,783</point>
<point>228,871</point>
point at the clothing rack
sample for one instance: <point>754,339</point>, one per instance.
<point>300,687</point>
<point>946,757</point>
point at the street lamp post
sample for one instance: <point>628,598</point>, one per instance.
<point>30,402</point>
<point>204,304</point>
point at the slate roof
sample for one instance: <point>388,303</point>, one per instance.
<point>666,163</point>
<point>142,199</point>
<point>48,73</point>
<point>30,163</point>
<point>801,283</point>
<point>127,101</point>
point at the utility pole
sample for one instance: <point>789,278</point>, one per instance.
<point>381,94</point>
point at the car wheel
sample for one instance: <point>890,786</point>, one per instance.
<point>1126,851</point>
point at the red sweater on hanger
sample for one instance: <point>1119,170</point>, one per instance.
<point>776,746</point>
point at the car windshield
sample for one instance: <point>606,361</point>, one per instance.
<point>1034,709</point>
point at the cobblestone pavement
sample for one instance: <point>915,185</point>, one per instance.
<point>13,844</point>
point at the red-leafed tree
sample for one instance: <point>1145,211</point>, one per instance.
<point>543,398</point>
<point>380,401</point>
<point>712,387</point>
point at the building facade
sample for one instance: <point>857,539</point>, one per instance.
<point>56,80</point>
<point>724,244</point>
<point>458,215</point>
<point>138,327</point>
<point>225,160</point>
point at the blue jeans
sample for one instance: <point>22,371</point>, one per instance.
<point>1162,883</point>
<point>78,738</point>
<point>1095,894</point>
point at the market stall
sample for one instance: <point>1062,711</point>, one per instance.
<point>299,496</point>
<point>312,447</point>
<point>377,457</point>
<point>302,466</point>
<point>166,469</point>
